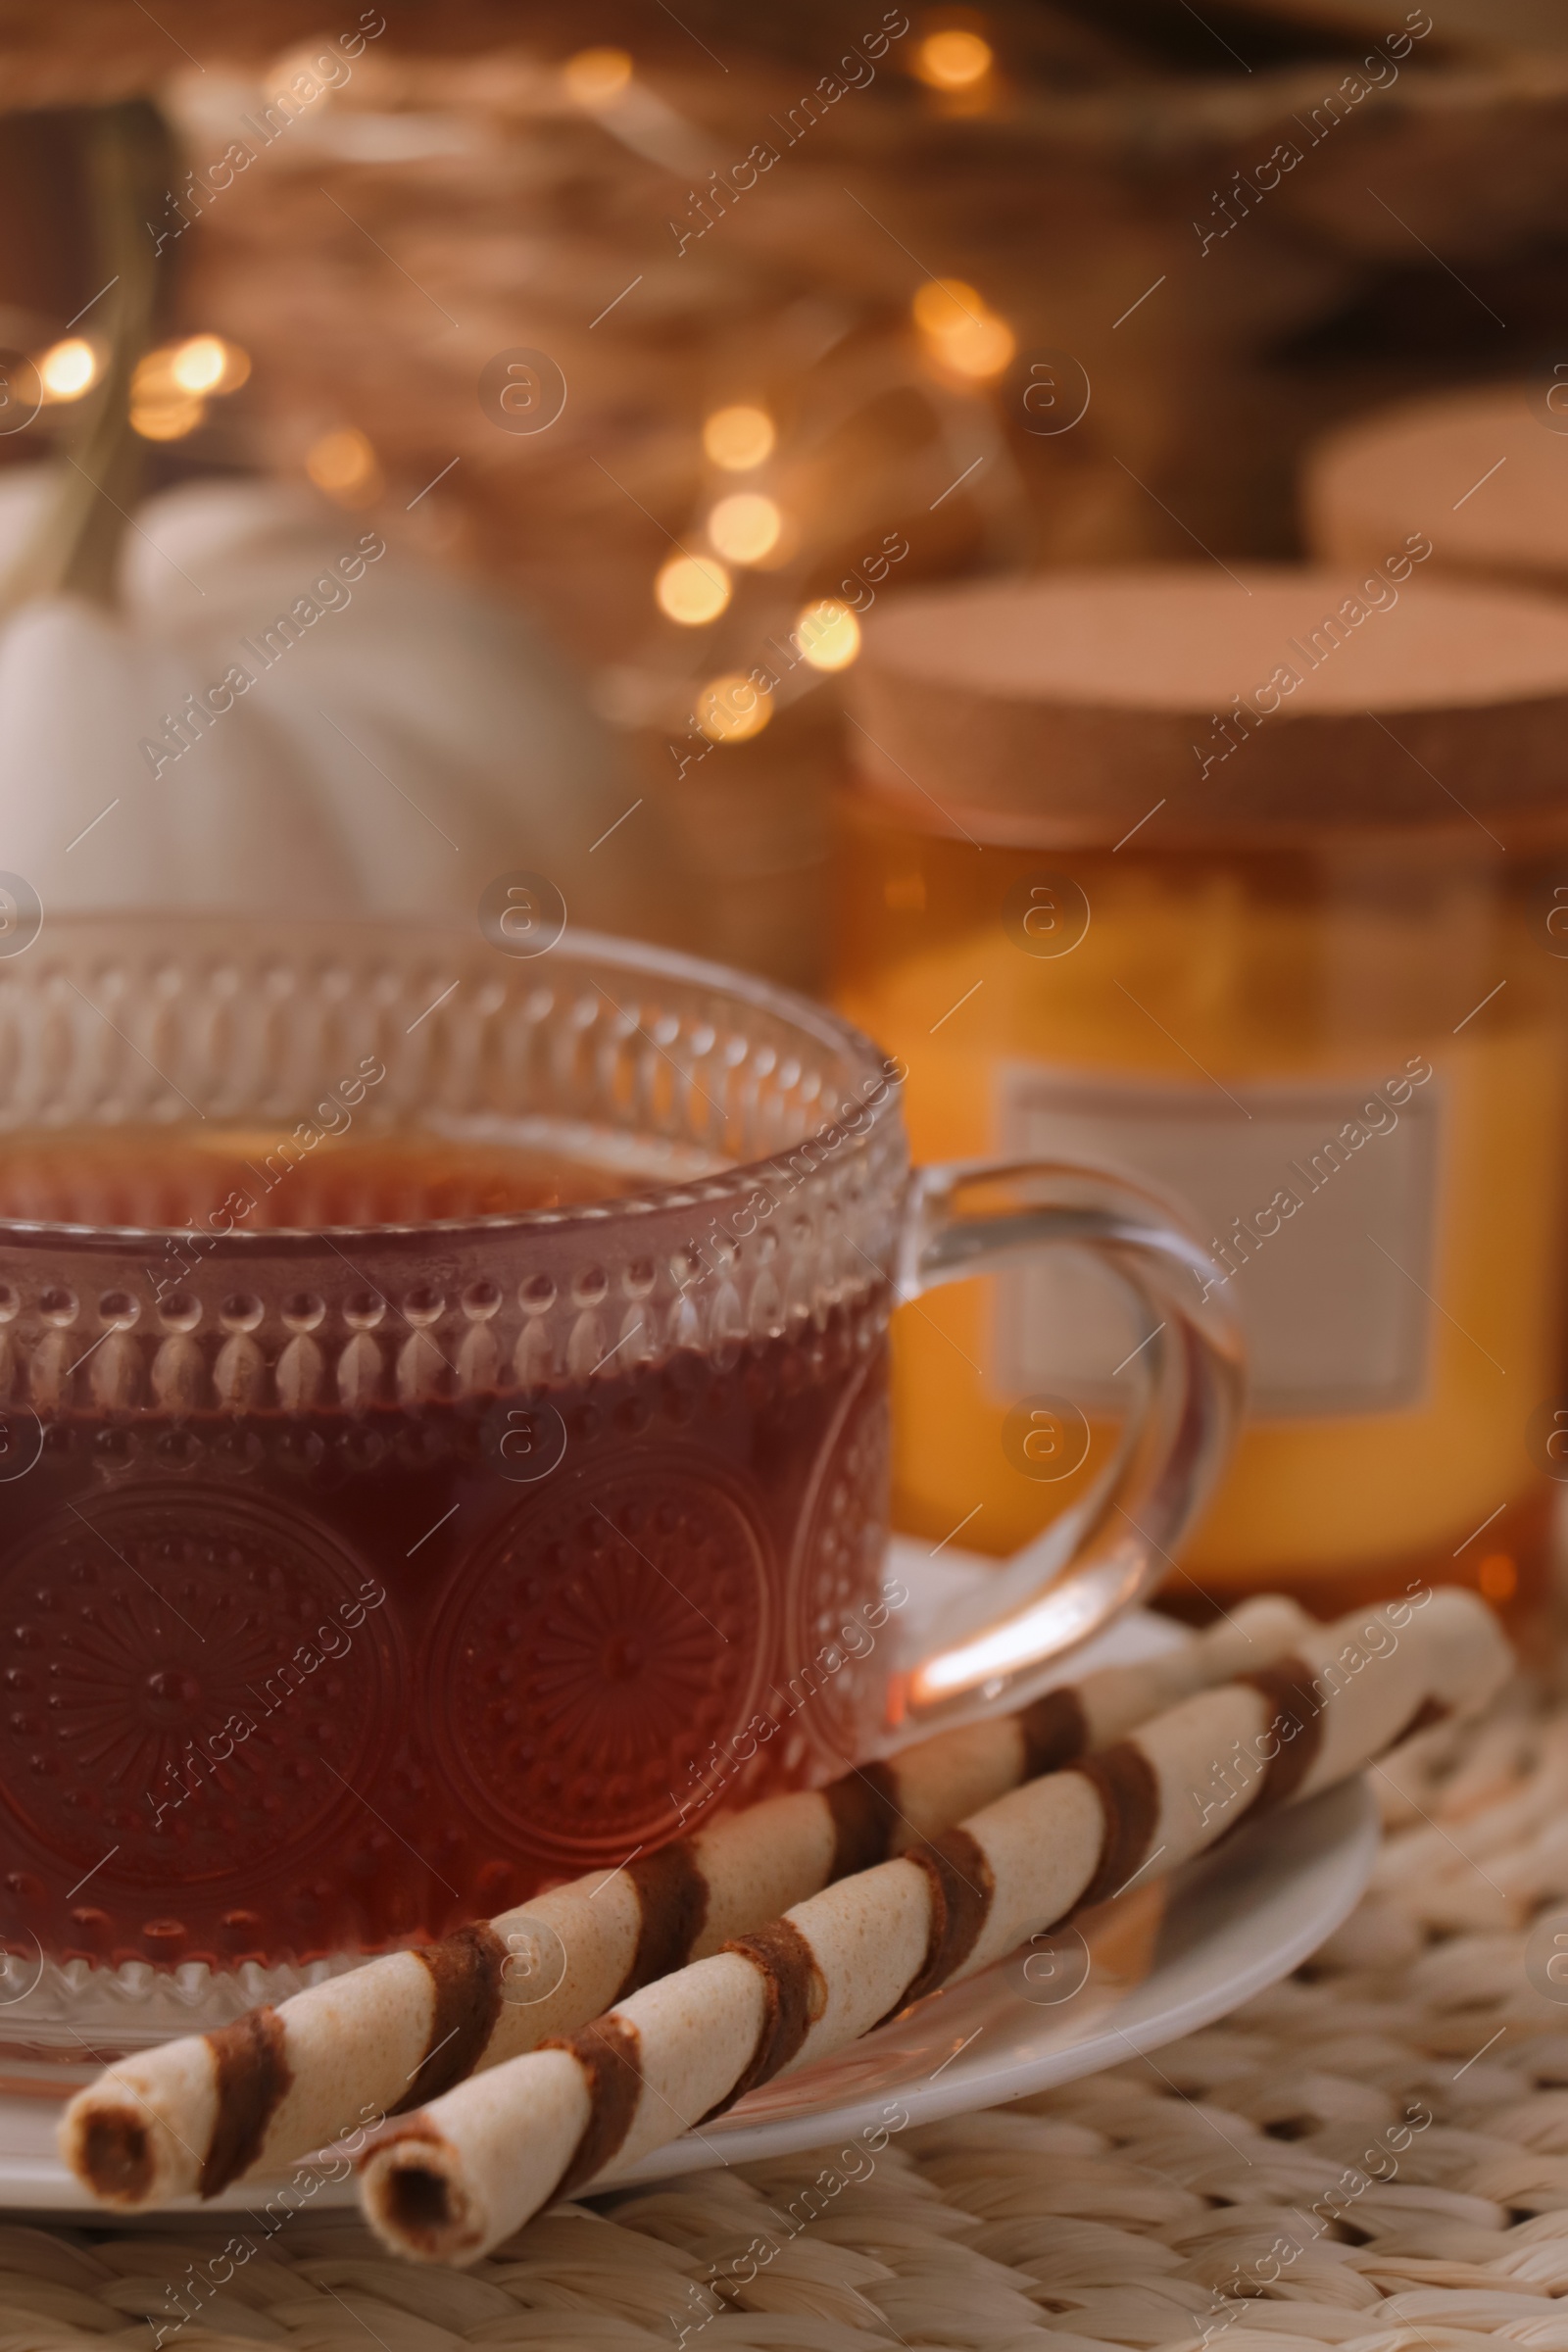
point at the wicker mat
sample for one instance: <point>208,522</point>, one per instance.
<point>1373,2155</point>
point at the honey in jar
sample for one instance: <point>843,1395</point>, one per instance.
<point>1255,885</point>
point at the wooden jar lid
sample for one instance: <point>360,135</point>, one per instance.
<point>1483,472</point>
<point>1066,708</point>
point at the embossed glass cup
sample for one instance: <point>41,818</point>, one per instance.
<point>443,1436</point>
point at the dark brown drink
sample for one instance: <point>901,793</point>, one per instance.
<point>283,1681</point>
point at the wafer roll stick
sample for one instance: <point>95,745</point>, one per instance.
<point>452,2180</point>
<point>279,2084</point>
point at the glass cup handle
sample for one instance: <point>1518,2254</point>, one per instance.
<point>1112,1547</point>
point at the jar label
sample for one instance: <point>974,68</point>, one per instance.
<point>1315,1204</point>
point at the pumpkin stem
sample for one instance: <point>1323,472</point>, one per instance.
<point>75,546</point>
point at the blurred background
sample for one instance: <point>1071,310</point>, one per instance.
<point>709,399</point>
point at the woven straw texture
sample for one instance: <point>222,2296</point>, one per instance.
<point>1373,2156</point>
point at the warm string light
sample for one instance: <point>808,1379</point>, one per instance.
<point>954,58</point>
<point>207,364</point>
<point>170,388</point>
<point>67,370</point>
<point>1498,1577</point>
<point>732,709</point>
<point>172,384</point>
<point>745,526</point>
<point>961,334</point>
<point>167,419</point>
<point>692,590</point>
<point>737,439</point>
<point>346,468</point>
<point>827,634</point>
<point>596,78</point>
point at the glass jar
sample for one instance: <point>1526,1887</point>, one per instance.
<point>1486,457</point>
<point>1307,988</point>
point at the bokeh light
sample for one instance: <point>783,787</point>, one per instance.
<point>961,332</point>
<point>745,526</point>
<point>1498,1577</point>
<point>171,384</point>
<point>162,408</point>
<point>597,78</point>
<point>737,439</point>
<point>344,464</point>
<point>943,305</point>
<point>67,370</point>
<point>828,634</point>
<point>734,708</point>
<point>954,58</point>
<point>207,364</point>
<point>692,590</point>
<point>980,349</point>
<point>166,419</point>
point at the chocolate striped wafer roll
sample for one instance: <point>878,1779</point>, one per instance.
<point>451,2181</point>
<point>197,2114</point>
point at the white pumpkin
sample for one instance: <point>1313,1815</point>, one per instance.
<point>278,718</point>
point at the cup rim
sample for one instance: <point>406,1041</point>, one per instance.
<point>634,957</point>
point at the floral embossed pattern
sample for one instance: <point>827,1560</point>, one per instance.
<point>608,1636</point>
<point>190,1688</point>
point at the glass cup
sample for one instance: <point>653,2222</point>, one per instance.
<point>376,1550</point>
